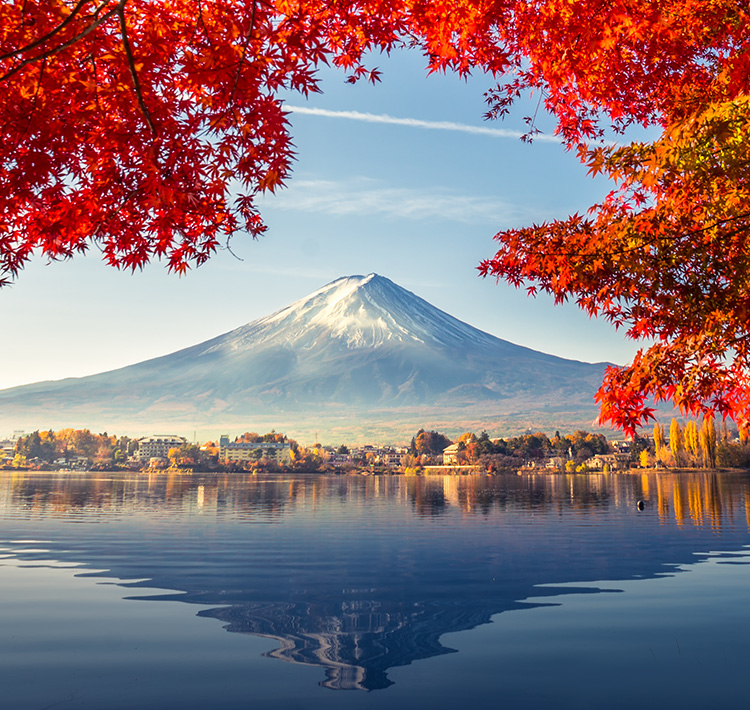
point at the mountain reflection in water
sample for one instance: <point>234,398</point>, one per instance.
<point>360,575</point>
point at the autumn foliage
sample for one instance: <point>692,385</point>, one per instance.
<point>148,128</point>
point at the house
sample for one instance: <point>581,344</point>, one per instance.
<point>613,462</point>
<point>555,463</point>
<point>340,458</point>
<point>391,457</point>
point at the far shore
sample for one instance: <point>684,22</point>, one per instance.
<point>426,471</point>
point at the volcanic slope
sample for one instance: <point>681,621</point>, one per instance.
<point>359,344</point>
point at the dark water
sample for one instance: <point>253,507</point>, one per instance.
<point>117,591</point>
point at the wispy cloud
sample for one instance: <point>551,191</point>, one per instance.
<point>417,123</point>
<point>369,197</point>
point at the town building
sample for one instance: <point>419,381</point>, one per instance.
<point>392,457</point>
<point>244,451</point>
<point>450,455</point>
<point>613,462</point>
<point>158,446</point>
<point>7,450</point>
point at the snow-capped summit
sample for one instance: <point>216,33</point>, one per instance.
<point>359,312</point>
<point>358,344</point>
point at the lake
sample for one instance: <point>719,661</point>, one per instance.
<point>233,591</point>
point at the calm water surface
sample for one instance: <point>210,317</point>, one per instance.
<point>234,591</point>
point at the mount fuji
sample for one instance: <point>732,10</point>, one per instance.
<point>360,349</point>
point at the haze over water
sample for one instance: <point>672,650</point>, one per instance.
<point>118,591</point>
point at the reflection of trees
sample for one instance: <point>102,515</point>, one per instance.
<point>481,494</point>
<point>427,496</point>
<point>699,499</point>
<point>61,494</point>
<point>359,599</point>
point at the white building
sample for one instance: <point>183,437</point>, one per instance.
<point>158,446</point>
<point>450,455</point>
<point>7,450</point>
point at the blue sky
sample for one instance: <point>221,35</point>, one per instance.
<point>403,178</point>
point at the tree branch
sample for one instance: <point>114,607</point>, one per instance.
<point>49,34</point>
<point>33,103</point>
<point>200,21</point>
<point>245,45</point>
<point>64,45</point>
<point>131,65</point>
<point>229,249</point>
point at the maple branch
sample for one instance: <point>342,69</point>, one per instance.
<point>64,45</point>
<point>200,21</point>
<point>112,213</point>
<point>531,121</point>
<point>649,242</point>
<point>229,249</point>
<point>33,101</point>
<point>49,34</point>
<point>96,82</point>
<point>692,233</point>
<point>245,45</point>
<point>131,65</point>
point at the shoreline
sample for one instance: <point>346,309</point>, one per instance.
<point>366,472</point>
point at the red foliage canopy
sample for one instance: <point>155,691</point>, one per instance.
<point>665,256</point>
<point>148,128</point>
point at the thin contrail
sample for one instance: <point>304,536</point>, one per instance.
<point>417,123</point>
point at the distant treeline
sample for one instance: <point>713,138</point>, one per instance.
<point>72,446</point>
<point>513,453</point>
<point>697,444</point>
<point>687,446</point>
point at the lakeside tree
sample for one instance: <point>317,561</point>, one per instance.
<point>676,442</point>
<point>663,257</point>
<point>659,441</point>
<point>68,445</point>
<point>39,445</point>
<point>692,443</point>
<point>707,440</point>
<point>189,456</point>
<point>516,452</point>
<point>126,124</point>
<point>429,443</point>
<point>699,444</point>
<point>733,454</point>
